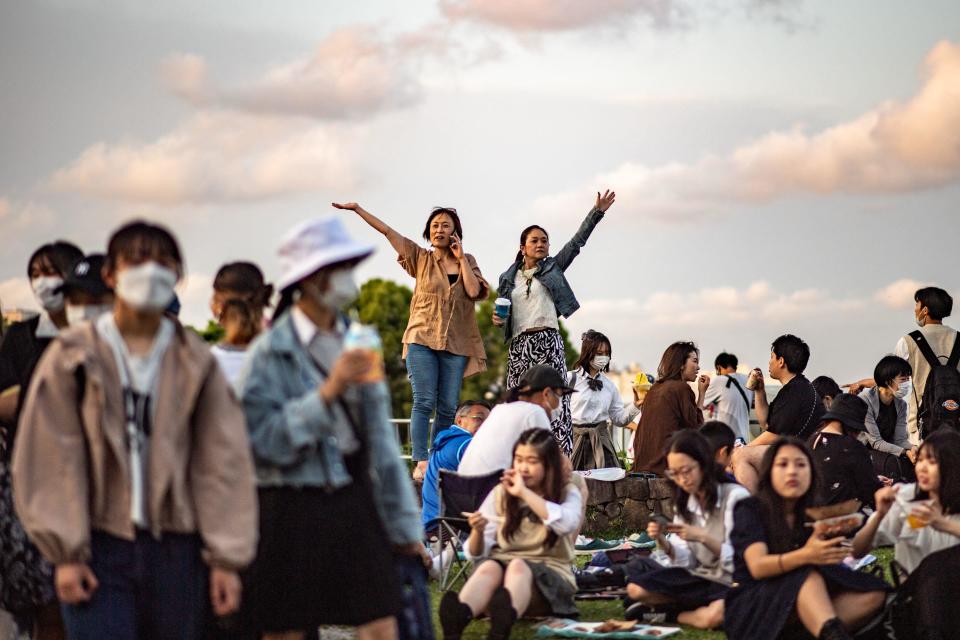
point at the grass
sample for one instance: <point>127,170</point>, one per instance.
<point>597,610</point>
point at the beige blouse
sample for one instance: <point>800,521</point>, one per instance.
<point>442,316</point>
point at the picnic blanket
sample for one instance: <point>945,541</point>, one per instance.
<point>627,630</point>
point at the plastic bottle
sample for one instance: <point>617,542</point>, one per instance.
<point>364,337</point>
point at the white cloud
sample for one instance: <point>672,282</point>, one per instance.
<point>15,293</point>
<point>215,156</point>
<point>352,73</point>
<point>194,291</point>
<point>20,215</point>
<point>561,15</point>
<point>895,147</point>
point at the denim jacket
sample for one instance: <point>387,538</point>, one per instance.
<point>291,435</point>
<point>550,273</point>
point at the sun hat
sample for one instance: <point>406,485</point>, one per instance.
<point>316,244</point>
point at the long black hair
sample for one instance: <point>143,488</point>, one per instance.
<point>781,537</point>
<point>691,442</point>
<point>523,239</point>
<point>944,447</point>
<point>554,481</point>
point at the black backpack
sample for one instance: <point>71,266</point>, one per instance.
<point>940,405</point>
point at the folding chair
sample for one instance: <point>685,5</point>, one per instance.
<point>457,494</point>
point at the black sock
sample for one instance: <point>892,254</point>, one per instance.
<point>502,615</point>
<point>454,616</point>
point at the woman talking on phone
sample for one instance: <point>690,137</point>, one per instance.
<point>442,343</point>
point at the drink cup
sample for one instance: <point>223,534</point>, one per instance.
<point>915,522</point>
<point>502,307</point>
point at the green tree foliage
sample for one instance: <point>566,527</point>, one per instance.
<point>212,334</point>
<point>386,305</point>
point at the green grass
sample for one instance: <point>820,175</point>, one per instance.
<point>597,610</point>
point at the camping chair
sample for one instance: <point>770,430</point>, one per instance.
<point>457,494</point>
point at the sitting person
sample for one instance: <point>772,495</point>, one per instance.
<point>722,442</point>
<point>596,403</point>
<point>887,410</point>
<point>701,558</point>
<point>448,449</point>
<point>828,390</point>
<point>520,538</point>
<point>531,404</point>
<point>843,460</point>
<point>796,411</point>
<point>785,575</point>
<point>922,518</point>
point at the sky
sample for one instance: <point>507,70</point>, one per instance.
<point>780,165</point>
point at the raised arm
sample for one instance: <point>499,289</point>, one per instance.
<point>395,239</point>
<point>572,249</point>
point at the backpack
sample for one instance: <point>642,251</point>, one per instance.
<point>940,405</point>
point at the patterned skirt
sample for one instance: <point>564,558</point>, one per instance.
<point>543,347</point>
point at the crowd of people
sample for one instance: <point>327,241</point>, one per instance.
<point>152,486</point>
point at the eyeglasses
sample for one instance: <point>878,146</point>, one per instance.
<point>476,417</point>
<point>682,472</point>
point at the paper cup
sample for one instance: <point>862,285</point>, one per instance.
<point>502,307</point>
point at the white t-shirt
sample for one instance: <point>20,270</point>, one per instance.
<point>911,546</point>
<point>231,361</point>
<point>141,374</point>
<point>730,407</point>
<point>534,310</point>
<point>492,446</point>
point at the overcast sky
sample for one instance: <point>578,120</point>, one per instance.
<point>780,165</point>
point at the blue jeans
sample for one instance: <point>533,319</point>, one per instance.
<point>149,590</point>
<point>436,377</point>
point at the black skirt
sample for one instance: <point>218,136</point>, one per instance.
<point>760,610</point>
<point>689,590</point>
<point>323,558</point>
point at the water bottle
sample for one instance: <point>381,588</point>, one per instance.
<point>365,338</point>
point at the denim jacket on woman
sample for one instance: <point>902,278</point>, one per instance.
<point>292,436</point>
<point>550,273</point>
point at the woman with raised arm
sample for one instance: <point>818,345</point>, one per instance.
<point>539,294</point>
<point>442,343</point>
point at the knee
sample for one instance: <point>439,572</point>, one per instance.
<point>635,591</point>
<point>490,570</point>
<point>424,399</point>
<point>518,568</point>
<point>715,616</point>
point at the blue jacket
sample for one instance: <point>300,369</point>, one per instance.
<point>550,273</point>
<point>291,435</point>
<point>448,449</point>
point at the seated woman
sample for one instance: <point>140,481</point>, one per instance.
<point>522,533</point>
<point>843,460</point>
<point>922,518</point>
<point>887,413</point>
<point>787,577</point>
<point>701,556</point>
<point>596,403</point>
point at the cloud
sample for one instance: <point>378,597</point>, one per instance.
<point>15,293</point>
<point>562,15</point>
<point>214,156</point>
<point>353,72</point>
<point>896,147</point>
<point>899,294</point>
<point>20,215</point>
<point>194,291</point>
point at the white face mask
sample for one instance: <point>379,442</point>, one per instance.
<point>44,288</point>
<point>341,290</point>
<point>557,411</point>
<point>146,287</point>
<point>920,321</point>
<point>903,389</point>
<point>77,313</point>
<point>600,362</point>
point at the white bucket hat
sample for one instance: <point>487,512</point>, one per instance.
<point>316,244</point>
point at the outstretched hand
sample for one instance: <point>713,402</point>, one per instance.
<point>351,206</point>
<point>604,201</point>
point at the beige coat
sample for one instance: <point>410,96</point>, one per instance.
<point>70,467</point>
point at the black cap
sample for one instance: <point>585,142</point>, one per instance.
<point>540,377</point>
<point>86,275</point>
<point>850,410</point>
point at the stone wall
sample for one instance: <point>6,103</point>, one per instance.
<point>626,504</point>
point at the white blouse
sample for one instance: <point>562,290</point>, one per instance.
<point>911,546</point>
<point>589,407</point>
<point>563,519</point>
<point>534,310</point>
<point>682,556</point>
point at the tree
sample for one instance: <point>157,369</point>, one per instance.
<point>386,306</point>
